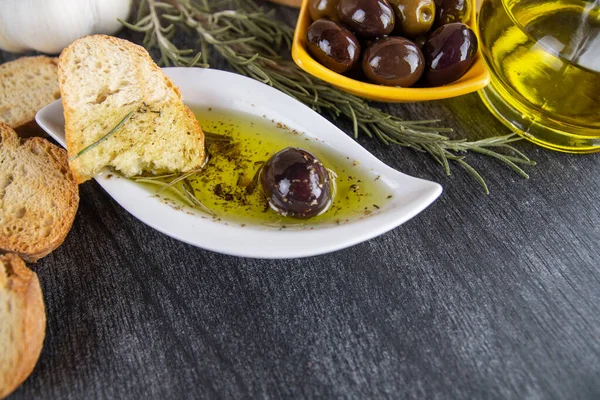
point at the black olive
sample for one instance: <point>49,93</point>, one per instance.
<point>296,183</point>
<point>323,9</point>
<point>332,45</point>
<point>449,52</point>
<point>367,18</point>
<point>393,61</point>
<point>449,11</point>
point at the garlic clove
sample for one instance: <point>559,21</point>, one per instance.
<point>108,13</point>
<point>49,26</point>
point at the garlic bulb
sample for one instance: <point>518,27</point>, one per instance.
<point>49,26</point>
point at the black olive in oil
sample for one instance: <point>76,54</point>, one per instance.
<point>239,144</point>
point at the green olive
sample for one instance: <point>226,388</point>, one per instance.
<point>413,17</point>
<point>323,9</point>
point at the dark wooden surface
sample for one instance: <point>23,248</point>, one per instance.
<point>479,296</point>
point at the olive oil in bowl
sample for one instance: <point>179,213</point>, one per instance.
<point>239,144</point>
<point>544,59</point>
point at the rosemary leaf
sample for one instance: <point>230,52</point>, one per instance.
<point>103,138</point>
<point>475,174</point>
<point>164,186</point>
<point>180,178</point>
<point>189,192</point>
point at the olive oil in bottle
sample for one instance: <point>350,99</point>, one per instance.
<point>544,59</point>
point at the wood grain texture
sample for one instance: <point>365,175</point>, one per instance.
<point>484,297</point>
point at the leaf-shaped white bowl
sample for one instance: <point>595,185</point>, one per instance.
<point>224,90</point>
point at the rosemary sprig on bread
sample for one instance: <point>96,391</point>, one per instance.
<point>102,79</point>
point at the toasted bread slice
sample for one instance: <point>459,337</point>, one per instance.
<point>102,79</point>
<point>23,322</point>
<point>27,85</point>
<point>38,195</point>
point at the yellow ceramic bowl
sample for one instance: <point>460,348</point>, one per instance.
<point>474,79</point>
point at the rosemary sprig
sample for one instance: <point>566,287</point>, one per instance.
<point>251,40</point>
<point>180,178</point>
<point>180,186</point>
<point>103,138</point>
<point>165,186</point>
<point>188,189</point>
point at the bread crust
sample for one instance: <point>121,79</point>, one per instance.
<point>49,159</point>
<point>24,286</point>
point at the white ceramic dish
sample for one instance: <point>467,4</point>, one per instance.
<point>224,90</point>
